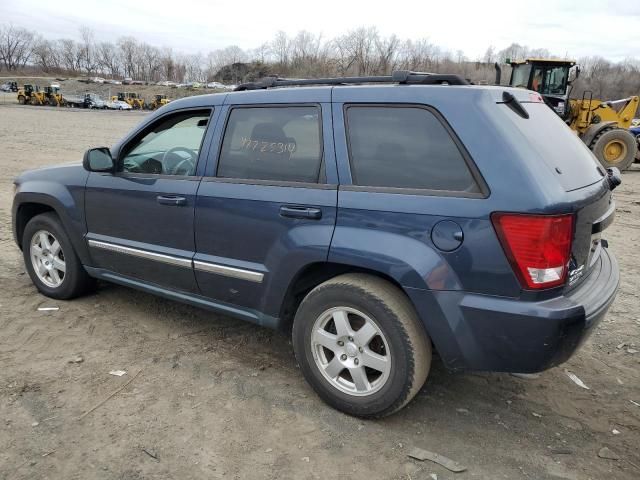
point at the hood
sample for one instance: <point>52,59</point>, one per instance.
<point>53,173</point>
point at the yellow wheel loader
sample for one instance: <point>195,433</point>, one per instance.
<point>602,125</point>
<point>26,92</point>
<point>53,96</point>
<point>131,98</point>
<point>158,101</point>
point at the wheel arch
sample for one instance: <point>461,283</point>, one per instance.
<point>594,130</point>
<point>312,275</point>
<point>27,205</point>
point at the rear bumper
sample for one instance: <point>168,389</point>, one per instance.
<point>480,332</point>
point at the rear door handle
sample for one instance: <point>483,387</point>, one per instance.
<point>171,200</point>
<point>292,211</point>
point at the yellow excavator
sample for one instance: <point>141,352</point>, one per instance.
<point>602,125</point>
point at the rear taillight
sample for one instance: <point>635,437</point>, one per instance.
<point>538,246</point>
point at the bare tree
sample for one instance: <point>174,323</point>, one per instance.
<point>152,64</point>
<point>387,53</point>
<point>107,58</point>
<point>280,46</point>
<point>16,45</point>
<point>45,55</point>
<point>128,51</point>
<point>87,48</point>
<point>70,55</point>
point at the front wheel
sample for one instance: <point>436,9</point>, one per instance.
<point>615,148</point>
<point>361,346</point>
<point>50,259</point>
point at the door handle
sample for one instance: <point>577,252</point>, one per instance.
<point>171,200</point>
<point>292,211</point>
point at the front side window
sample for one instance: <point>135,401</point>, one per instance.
<point>171,147</point>
<point>272,143</point>
<point>521,76</point>
<point>405,147</point>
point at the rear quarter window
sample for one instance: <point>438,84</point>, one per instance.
<point>405,147</point>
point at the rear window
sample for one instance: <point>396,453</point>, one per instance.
<point>558,146</point>
<point>404,147</point>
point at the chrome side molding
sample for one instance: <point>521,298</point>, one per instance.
<point>233,272</point>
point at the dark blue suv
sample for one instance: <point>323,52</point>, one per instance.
<point>375,218</point>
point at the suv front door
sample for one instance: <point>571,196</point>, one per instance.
<point>267,204</point>
<point>140,218</point>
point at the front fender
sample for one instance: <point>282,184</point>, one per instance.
<point>594,130</point>
<point>66,200</point>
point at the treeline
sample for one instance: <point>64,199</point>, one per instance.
<point>362,51</point>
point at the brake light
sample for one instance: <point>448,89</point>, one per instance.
<point>537,246</point>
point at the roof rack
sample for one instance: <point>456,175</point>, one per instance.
<point>403,77</point>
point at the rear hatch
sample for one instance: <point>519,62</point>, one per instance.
<point>578,172</point>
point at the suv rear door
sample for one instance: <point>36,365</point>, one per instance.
<point>267,204</point>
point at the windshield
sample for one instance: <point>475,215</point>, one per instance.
<point>548,138</point>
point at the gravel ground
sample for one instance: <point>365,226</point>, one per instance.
<point>218,398</point>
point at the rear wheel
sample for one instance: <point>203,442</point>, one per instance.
<point>615,148</point>
<point>22,100</point>
<point>50,260</point>
<point>361,346</point>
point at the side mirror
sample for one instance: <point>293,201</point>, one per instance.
<point>574,73</point>
<point>98,160</point>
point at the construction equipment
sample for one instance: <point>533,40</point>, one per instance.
<point>131,98</point>
<point>38,97</point>
<point>53,96</point>
<point>26,92</point>
<point>158,101</point>
<point>602,125</point>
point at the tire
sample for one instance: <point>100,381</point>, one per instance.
<point>400,338</point>
<point>615,148</point>
<point>74,281</point>
<point>22,100</point>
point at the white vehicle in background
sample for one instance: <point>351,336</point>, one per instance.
<point>118,105</point>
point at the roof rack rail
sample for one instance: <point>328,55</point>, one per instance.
<point>404,77</point>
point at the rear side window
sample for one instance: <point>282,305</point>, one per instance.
<point>404,147</point>
<point>272,143</point>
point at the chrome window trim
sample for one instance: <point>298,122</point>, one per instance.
<point>135,252</point>
<point>233,272</point>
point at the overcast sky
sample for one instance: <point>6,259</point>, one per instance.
<point>610,28</point>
